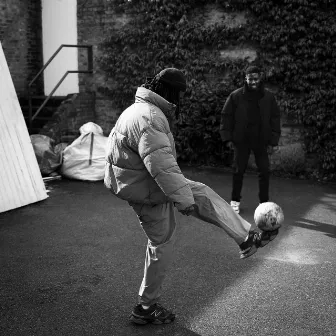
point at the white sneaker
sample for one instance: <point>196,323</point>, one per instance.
<point>235,206</point>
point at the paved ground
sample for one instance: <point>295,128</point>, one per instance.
<point>72,265</point>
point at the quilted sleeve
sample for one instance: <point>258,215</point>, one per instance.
<point>156,152</point>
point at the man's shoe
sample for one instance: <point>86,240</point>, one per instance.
<point>155,314</point>
<point>267,236</point>
<point>250,246</point>
<point>235,206</point>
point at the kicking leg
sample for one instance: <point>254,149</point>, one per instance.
<point>213,209</point>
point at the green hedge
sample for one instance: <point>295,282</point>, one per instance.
<point>295,40</point>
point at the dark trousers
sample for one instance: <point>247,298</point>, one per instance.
<point>241,157</point>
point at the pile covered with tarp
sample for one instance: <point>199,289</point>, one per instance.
<point>83,159</point>
<point>48,155</point>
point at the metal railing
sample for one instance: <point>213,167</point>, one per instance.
<point>89,70</point>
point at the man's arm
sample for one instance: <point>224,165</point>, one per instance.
<point>275,123</point>
<point>156,152</point>
<point>227,120</point>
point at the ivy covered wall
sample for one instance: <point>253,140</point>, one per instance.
<point>213,41</point>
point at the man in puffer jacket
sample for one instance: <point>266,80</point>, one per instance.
<point>141,168</point>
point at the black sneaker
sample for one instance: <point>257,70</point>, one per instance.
<point>250,246</point>
<point>155,314</point>
<point>267,236</point>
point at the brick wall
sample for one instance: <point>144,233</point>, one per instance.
<point>21,39</point>
<point>95,18</point>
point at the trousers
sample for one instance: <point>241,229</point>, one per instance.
<point>241,157</point>
<point>159,224</point>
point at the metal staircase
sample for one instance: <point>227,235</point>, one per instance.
<point>38,110</point>
<point>44,115</point>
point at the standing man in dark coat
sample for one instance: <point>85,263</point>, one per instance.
<point>250,121</point>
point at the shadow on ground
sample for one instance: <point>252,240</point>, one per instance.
<point>328,229</point>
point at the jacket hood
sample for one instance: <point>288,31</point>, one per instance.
<point>143,94</point>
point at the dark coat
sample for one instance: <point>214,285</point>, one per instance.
<point>234,118</point>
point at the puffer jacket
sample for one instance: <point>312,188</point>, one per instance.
<point>141,162</point>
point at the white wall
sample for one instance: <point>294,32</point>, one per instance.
<point>59,26</point>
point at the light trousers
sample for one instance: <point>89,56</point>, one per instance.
<point>159,225</point>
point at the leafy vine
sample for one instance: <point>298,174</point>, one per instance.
<point>296,44</point>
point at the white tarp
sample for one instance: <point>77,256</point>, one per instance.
<point>84,159</point>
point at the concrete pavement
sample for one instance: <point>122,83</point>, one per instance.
<point>72,265</point>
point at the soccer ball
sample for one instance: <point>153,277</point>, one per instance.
<point>268,216</point>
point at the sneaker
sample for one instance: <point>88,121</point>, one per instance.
<point>155,314</point>
<point>235,206</point>
<point>250,246</point>
<point>267,236</point>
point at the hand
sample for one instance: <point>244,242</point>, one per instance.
<point>230,145</point>
<point>271,149</point>
<point>189,210</point>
